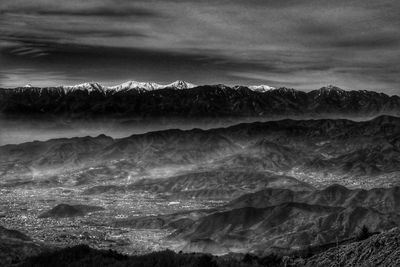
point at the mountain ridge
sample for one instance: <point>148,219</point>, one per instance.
<point>180,84</point>
<point>184,100</point>
<point>129,85</point>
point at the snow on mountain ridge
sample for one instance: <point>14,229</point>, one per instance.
<point>84,86</point>
<point>261,88</point>
<point>180,85</point>
<point>146,86</point>
<point>129,85</point>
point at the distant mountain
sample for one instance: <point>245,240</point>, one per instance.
<point>88,87</point>
<point>261,88</point>
<point>151,100</point>
<point>126,86</point>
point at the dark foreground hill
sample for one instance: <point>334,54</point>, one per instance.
<point>83,256</point>
<point>16,246</point>
<point>378,250</point>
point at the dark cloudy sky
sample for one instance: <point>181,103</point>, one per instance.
<point>303,44</point>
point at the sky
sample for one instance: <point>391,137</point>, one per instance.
<point>303,44</point>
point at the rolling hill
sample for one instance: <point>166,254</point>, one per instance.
<point>318,152</point>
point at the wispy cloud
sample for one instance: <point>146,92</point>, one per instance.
<point>302,43</point>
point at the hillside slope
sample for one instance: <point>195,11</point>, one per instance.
<point>378,250</point>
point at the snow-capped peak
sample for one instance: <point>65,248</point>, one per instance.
<point>28,85</point>
<point>261,88</point>
<point>180,85</point>
<point>84,86</point>
<point>149,86</point>
<point>129,85</point>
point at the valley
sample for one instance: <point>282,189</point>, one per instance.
<point>263,187</point>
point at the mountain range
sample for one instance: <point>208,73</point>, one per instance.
<point>318,152</point>
<point>184,100</point>
<point>127,86</point>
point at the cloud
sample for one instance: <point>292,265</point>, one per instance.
<point>98,11</point>
<point>389,40</point>
<point>76,8</point>
<point>302,42</point>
